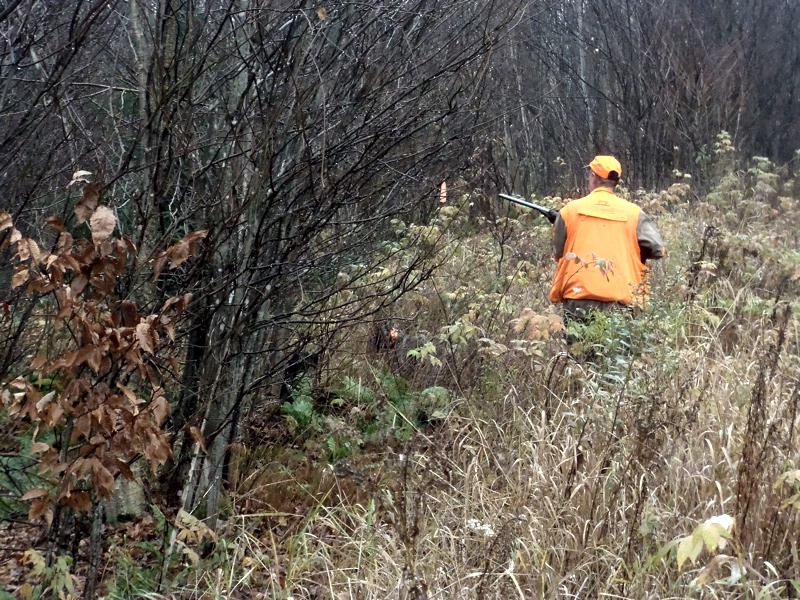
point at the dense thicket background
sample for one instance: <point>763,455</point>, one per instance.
<point>158,96</point>
<point>310,141</point>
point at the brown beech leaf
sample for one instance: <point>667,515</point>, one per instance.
<point>181,301</point>
<point>20,276</point>
<point>144,334</point>
<point>39,286</point>
<point>124,469</point>
<point>64,243</point>
<point>322,14</point>
<point>94,360</point>
<point>185,300</point>
<point>178,254</point>
<point>38,362</point>
<point>38,447</point>
<point>107,247</point>
<point>83,425</point>
<point>195,236</point>
<point>5,221</point>
<point>33,395</point>
<point>56,412</point>
<point>19,384</point>
<point>130,314</point>
<point>98,439</point>
<point>88,202</point>
<point>34,493</point>
<point>78,284</point>
<point>46,399</point>
<point>51,461</point>
<point>198,437</point>
<point>41,508</point>
<point>158,264</point>
<point>79,177</point>
<point>102,224</point>
<point>105,365</point>
<point>102,479</point>
<point>159,451</point>
<point>34,251</point>
<point>145,372</point>
<point>73,358</point>
<point>56,223</point>
<point>82,355</point>
<point>23,250</point>
<point>119,263</point>
<point>80,501</point>
<point>160,408</point>
<point>128,393</point>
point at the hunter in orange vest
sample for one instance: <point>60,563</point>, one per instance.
<point>601,243</point>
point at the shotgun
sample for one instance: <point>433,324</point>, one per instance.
<point>550,213</point>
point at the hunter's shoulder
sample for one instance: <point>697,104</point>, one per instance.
<point>574,203</point>
<point>623,202</point>
<point>598,196</point>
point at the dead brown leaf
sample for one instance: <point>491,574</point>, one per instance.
<point>38,361</point>
<point>79,177</point>
<point>41,508</point>
<point>88,203</point>
<point>80,501</point>
<point>129,394</point>
<point>158,264</point>
<point>102,478</point>
<point>178,254</point>
<point>160,408</point>
<point>78,284</point>
<point>34,493</point>
<point>20,276</point>
<point>198,437</point>
<point>34,251</point>
<point>144,334</point>
<point>129,312</point>
<point>56,223</point>
<point>5,221</point>
<point>102,224</point>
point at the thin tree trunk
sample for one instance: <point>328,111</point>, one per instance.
<point>95,552</point>
<point>584,74</point>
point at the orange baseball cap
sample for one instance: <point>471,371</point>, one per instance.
<point>606,167</point>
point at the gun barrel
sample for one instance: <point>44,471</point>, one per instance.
<point>520,201</point>
<point>550,213</point>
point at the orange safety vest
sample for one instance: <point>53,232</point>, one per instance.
<point>601,230</point>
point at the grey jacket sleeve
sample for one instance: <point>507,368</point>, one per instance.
<point>559,237</point>
<point>650,243</point>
